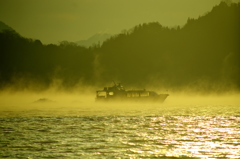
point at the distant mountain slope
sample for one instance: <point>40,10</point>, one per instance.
<point>95,39</point>
<point>203,50</point>
<point>204,55</point>
<point>3,26</point>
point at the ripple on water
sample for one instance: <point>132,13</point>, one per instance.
<point>124,137</point>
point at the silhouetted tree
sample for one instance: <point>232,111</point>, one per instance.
<point>204,49</point>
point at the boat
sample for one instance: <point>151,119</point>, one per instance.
<point>118,93</point>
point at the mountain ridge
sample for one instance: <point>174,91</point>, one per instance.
<point>4,26</point>
<point>96,39</point>
<point>201,55</point>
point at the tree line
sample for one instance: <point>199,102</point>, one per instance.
<point>203,52</point>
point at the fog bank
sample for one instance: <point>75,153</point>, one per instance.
<point>60,103</point>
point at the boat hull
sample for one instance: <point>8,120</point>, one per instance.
<point>158,99</point>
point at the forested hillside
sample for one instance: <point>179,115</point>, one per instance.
<point>205,50</point>
<point>29,60</point>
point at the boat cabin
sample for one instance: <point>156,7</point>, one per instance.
<point>118,92</point>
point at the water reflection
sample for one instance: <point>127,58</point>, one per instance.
<point>193,136</point>
<point>124,137</point>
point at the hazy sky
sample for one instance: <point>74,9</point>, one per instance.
<point>53,21</point>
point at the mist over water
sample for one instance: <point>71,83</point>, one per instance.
<point>59,103</point>
<point>57,124</point>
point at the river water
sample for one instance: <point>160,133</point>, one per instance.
<point>140,130</point>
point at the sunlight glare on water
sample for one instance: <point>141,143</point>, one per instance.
<point>120,136</point>
<point>58,128</point>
